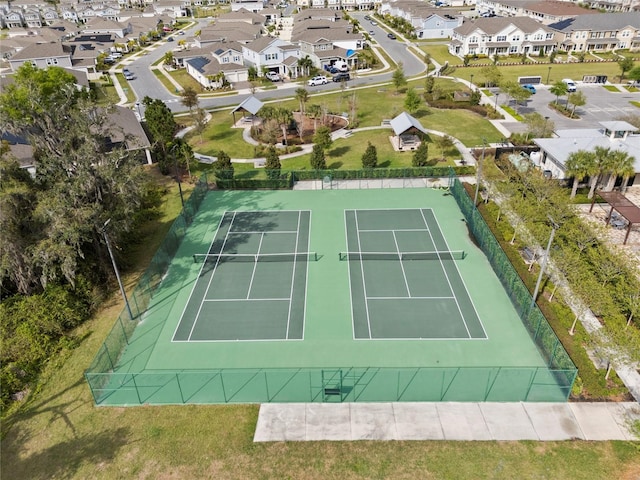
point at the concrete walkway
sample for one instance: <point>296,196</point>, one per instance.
<point>445,421</point>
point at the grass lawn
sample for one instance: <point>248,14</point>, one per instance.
<point>374,105</point>
<point>59,433</point>
<point>105,93</point>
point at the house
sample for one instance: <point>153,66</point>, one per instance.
<point>604,32</point>
<point>544,11</point>
<point>614,5</point>
<point>43,55</point>
<point>104,25</point>
<point>327,42</point>
<point>249,5</point>
<point>617,135</point>
<point>222,62</point>
<point>267,53</point>
<point>428,21</point>
<point>502,36</point>
<point>408,132</point>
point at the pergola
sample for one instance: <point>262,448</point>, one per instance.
<point>621,204</point>
<point>250,105</point>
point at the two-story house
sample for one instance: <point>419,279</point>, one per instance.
<point>607,31</point>
<point>502,36</point>
<point>268,54</point>
<point>546,12</point>
<point>223,61</point>
<point>326,42</point>
<point>43,55</point>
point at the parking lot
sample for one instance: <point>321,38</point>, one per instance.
<point>602,105</point>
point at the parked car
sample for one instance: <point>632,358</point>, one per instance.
<point>367,17</point>
<point>129,76</point>
<point>342,77</point>
<point>391,36</point>
<point>571,85</point>
<point>371,32</point>
<point>317,80</point>
<point>529,87</point>
<point>169,39</point>
<point>126,71</point>
<point>374,23</point>
<point>273,76</point>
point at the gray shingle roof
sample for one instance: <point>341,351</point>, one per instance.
<point>494,25</point>
<point>404,122</point>
<point>601,22</point>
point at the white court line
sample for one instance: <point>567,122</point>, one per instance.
<point>240,232</point>
<point>293,275</point>
<point>364,286</point>
<point>396,230</point>
<point>410,298</point>
<point>211,279</point>
<point>255,266</point>
<point>486,337</point>
<point>466,327</point>
<point>242,300</point>
<point>195,284</point>
<point>404,275</point>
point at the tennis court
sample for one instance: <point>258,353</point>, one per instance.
<point>236,295</point>
<point>398,304</point>
<point>404,279</point>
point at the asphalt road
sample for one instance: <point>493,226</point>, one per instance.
<point>146,83</point>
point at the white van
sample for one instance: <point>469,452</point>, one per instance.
<point>571,85</point>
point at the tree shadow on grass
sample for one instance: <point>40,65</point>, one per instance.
<point>339,151</point>
<point>334,165</point>
<point>63,459</point>
<point>384,164</point>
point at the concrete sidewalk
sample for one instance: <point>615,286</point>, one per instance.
<point>445,421</point>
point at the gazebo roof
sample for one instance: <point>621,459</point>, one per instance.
<point>404,122</point>
<point>250,104</point>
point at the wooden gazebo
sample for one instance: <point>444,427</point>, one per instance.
<point>250,105</point>
<point>621,204</point>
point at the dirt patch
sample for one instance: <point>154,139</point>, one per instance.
<point>302,129</point>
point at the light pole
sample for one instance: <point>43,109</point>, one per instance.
<point>478,167</point>
<point>496,105</point>
<point>103,230</point>
<point>554,227</point>
<point>548,75</point>
<point>544,130</point>
<point>175,165</point>
<point>139,112</point>
<point>471,82</point>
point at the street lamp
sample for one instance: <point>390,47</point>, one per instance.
<point>496,105</point>
<point>103,230</point>
<point>544,130</point>
<point>175,165</point>
<point>471,82</point>
<point>478,167</point>
<point>554,227</point>
<point>139,111</point>
<point>548,75</point>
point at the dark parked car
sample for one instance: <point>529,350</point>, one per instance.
<point>391,36</point>
<point>342,77</point>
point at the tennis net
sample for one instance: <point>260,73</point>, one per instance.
<point>255,257</point>
<point>403,256</point>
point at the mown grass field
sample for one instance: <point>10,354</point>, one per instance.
<point>59,433</point>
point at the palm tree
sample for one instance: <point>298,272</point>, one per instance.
<point>284,117</point>
<point>619,163</point>
<point>314,111</point>
<point>578,166</point>
<point>302,95</point>
<point>600,159</point>
<point>305,63</point>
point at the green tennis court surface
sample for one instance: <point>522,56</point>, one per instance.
<point>252,285</point>
<point>411,310</point>
<point>404,280</point>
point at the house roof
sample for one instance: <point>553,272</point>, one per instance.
<point>404,122</point>
<point>549,7</point>
<point>495,25</point>
<point>619,126</point>
<point>600,22</point>
<point>42,50</point>
<point>250,104</point>
<point>569,141</point>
